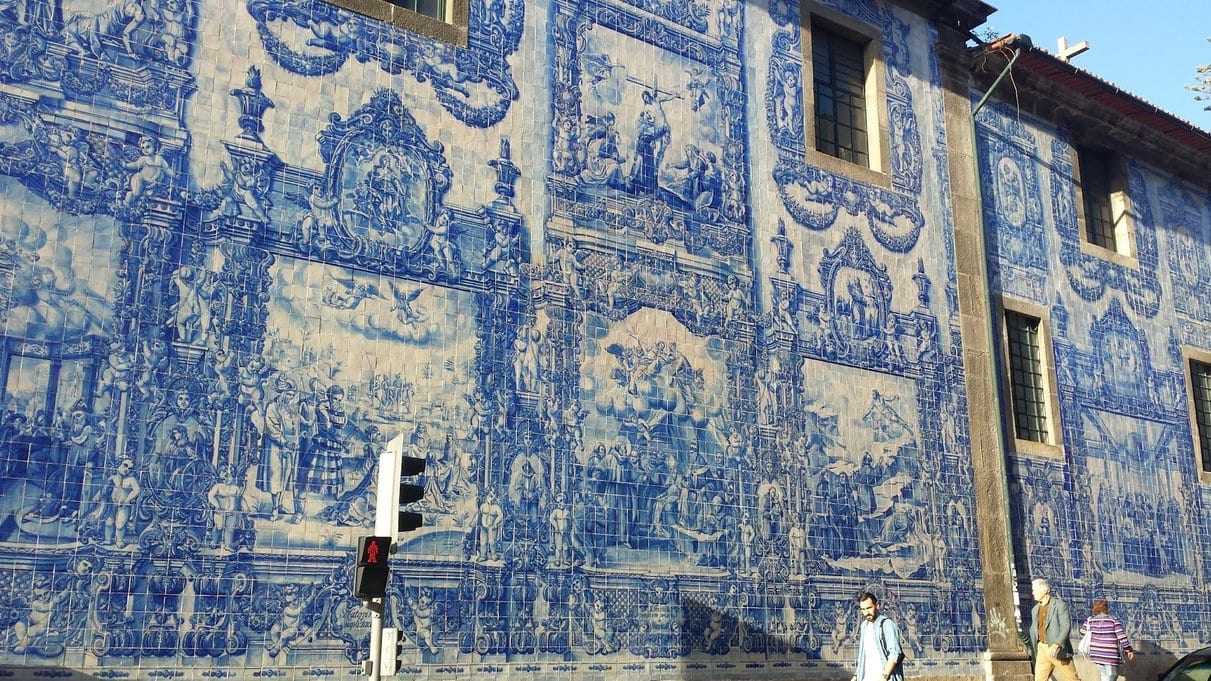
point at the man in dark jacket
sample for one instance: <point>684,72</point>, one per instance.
<point>1050,626</point>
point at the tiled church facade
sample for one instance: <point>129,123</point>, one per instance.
<point>683,395</point>
<point>1120,510</point>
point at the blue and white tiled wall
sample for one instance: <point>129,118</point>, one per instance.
<point>683,395</point>
<point>1121,515</point>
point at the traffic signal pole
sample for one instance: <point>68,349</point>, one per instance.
<point>389,521</point>
<point>385,525</point>
<point>375,606</point>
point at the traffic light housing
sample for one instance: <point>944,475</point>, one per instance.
<point>394,491</point>
<point>372,573</point>
<point>392,652</point>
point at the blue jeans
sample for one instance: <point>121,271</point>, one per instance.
<point>1108,672</point>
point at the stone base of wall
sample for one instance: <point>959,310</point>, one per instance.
<point>1009,666</point>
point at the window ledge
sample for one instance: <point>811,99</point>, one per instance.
<point>854,171</point>
<point>1128,261</point>
<point>1032,448</point>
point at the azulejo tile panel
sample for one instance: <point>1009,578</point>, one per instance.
<point>1115,516</point>
<point>676,416</point>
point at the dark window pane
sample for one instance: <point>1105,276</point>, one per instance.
<point>825,108</point>
<point>839,68</point>
<point>1200,379</point>
<point>845,138</point>
<point>429,8</point>
<point>1096,188</point>
<point>1026,377</point>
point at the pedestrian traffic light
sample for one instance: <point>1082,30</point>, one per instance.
<point>370,578</point>
<point>392,652</point>
<point>394,491</point>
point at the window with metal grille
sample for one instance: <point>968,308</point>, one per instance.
<point>839,78</point>
<point>1200,382</point>
<point>429,8</point>
<point>1026,377</point>
<point>1097,187</point>
<point>444,20</point>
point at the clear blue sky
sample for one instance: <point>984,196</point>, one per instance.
<point>1149,48</point>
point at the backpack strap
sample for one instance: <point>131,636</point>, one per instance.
<point>883,637</point>
<point>883,642</point>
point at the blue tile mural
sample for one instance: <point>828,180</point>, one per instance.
<point>1183,211</point>
<point>1119,515</point>
<point>683,396</point>
<point>1013,222</point>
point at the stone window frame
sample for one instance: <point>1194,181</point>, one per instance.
<point>1189,357</point>
<point>453,30</point>
<point>878,172</point>
<point>1124,253</point>
<point>1054,446</point>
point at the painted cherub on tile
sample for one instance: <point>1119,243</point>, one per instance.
<point>149,170</point>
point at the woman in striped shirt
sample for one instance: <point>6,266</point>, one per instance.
<point>1108,644</point>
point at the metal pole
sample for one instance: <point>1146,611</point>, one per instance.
<point>375,606</point>
<point>386,514</point>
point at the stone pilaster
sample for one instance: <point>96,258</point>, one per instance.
<point>1005,658</point>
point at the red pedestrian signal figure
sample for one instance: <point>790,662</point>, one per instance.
<point>370,579</point>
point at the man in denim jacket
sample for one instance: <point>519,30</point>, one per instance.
<point>880,657</point>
